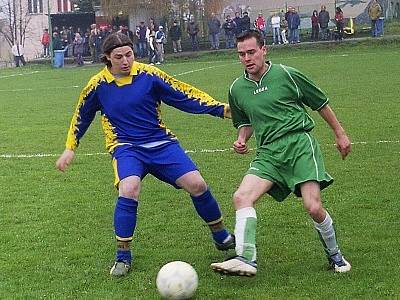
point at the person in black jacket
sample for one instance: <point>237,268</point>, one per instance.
<point>323,18</point>
<point>175,33</point>
<point>245,22</point>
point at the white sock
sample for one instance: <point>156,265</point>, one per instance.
<point>326,232</point>
<point>245,233</point>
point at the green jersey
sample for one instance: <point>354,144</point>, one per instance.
<point>275,106</point>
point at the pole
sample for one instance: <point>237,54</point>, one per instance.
<point>50,33</point>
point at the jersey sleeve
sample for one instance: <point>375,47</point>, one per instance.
<point>239,118</point>
<point>309,94</point>
<point>187,98</point>
<point>83,116</point>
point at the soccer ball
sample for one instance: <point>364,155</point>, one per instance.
<point>177,280</point>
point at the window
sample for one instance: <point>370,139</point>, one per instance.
<point>35,6</point>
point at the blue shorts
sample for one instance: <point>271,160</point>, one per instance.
<point>166,162</point>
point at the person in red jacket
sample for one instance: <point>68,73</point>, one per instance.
<point>339,24</point>
<point>259,23</point>
<point>45,40</point>
<point>314,26</point>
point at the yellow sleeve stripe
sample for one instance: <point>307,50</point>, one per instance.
<point>72,141</point>
<point>183,87</point>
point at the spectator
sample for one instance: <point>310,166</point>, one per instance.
<point>57,44</point>
<point>374,12</point>
<point>18,53</point>
<point>78,49</point>
<point>160,40</point>
<point>152,24</point>
<point>229,28</point>
<point>245,22</point>
<point>284,30</point>
<point>238,21</point>
<point>94,43</point>
<point>214,28</point>
<point>152,47</point>
<point>323,19</point>
<point>293,25</point>
<point>193,30</point>
<point>259,23</point>
<point>142,41</point>
<point>45,40</point>
<point>275,25</point>
<point>339,19</point>
<point>175,33</point>
<point>86,48</point>
<point>314,26</point>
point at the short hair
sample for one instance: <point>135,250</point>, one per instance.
<point>114,40</point>
<point>251,33</point>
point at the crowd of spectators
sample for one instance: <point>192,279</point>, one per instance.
<point>149,39</point>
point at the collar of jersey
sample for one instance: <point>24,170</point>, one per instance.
<point>109,77</point>
<point>246,75</point>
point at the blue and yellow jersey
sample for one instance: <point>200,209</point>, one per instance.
<point>130,106</point>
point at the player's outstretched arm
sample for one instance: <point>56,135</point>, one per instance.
<point>65,160</point>
<point>343,143</point>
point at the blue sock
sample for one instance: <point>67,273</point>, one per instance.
<point>123,255</point>
<point>208,209</point>
<point>124,224</point>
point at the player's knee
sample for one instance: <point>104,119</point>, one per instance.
<point>130,191</point>
<point>240,200</point>
<point>315,209</point>
<point>198,186</point>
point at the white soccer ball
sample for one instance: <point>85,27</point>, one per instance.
<point>177,280</point>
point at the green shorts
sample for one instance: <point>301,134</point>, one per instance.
<point>289,161</point>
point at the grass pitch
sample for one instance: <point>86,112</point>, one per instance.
<point>56,234</point>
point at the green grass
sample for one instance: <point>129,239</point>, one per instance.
<point>57,238</point>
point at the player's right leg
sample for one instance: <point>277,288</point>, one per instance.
<point>244,263</point>
<point>129,170</point>
<point>125,223</point>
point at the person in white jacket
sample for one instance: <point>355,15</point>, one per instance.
<point>276,24</point>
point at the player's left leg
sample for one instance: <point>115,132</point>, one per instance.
<point>323,223</point>
<point>172,165</point>
<point>207,208</point>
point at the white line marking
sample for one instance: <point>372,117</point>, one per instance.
<point>76,86</point>
<point>40,155</point>
<point>203,69</point>
<point>19,74</point>
<point>43,88</point>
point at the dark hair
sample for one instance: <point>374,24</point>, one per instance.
<point>251,33</point>
<point>114,40</point>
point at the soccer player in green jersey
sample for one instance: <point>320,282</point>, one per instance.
<point>269,100</point>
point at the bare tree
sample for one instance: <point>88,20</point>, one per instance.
<point>116,7</point>
<point>17,21</point>
<point>161,7</point>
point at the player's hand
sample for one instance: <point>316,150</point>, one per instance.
<point>227,112</point>
<point>240,147</point>
<point>65,159</point>
<point>343,144</point>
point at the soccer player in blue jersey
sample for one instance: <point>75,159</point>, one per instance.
<point>269,100</point>
<point>128,95</point>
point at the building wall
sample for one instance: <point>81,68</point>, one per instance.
<point>37,22</point>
